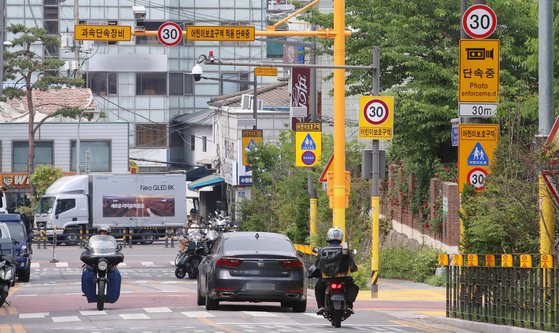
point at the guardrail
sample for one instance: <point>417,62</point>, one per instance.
<point>508,289</point>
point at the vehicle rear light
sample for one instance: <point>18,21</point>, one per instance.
<point>336,286</point>
<point>291,263</point>
<point>224,289</point>
<point>228,262</point>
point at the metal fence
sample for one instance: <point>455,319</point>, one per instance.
<point>504,289</point>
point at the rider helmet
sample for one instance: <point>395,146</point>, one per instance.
<point>334,234</point>
<point>104,227</point>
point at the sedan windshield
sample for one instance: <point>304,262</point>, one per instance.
<point>45,205</point>
<point>261,245</point>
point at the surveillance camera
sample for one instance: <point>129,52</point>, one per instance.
<point>139,12</point>
<point>197,72</point>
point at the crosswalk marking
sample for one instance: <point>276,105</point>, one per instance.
<point>93,313</point>
<point>66,319</point>
<point>133,316</point>
<point>148,263</point>
<point>61,264</point>
<point>158,310</point>
<point>197,314</point>
<point>35,265</point>
<point>260,314</point>
<point>33,315</point>
<point>314,315</point>
<point>172,263</point>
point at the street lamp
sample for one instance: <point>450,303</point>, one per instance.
<point>78,139</point>
<point>198,72</point>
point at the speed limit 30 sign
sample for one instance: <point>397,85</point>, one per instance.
<point>479,21</point>
<point>169,34</point>
<point>376,117</point>
<point>476,177</point>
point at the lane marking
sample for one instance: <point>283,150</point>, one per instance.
<point>157,310</point>
<point>197,314</point>
<point>66,319</point>
<point>18,328</point>
<point>61,264</point>
<point>33,315</point>
<point>148,263</point>
<point>133,316</point>
<point>219,326</point>
<point>122,264</point>
<point>172,263</point>
<point>93,313</point>
<point>260,314</point>
<point>419,326</point>
<point>35,265</point>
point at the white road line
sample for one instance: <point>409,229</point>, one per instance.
<point>93,313</point>
<point>33,315</point>
<point>197,314</point>
<point>29,295</point>
<point>172,263</point>
<point>61,264</point>
<point>260,314</point>
<point>133,316</point>
<point>157,310</point>
<point>169,282</point>
<point>66,319</point>
<point>35,265</point>
<point>122,264</point>
<point>314,315</point>
<point>148,263</point>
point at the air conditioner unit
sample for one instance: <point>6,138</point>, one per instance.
<point>246,101</point>
<point>260,104</point>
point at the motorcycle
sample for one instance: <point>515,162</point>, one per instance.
<point>7,263</point>
<point>100,277</point>
<point>190,255</point>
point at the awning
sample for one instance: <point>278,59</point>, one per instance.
<point>205,181</point>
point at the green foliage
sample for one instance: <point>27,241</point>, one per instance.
<point>436,280</point>
<point>44,176</point>
<point>362,277</point>
<point>407,264</point>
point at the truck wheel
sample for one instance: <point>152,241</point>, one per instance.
<point>147,237</point>
<point>71,237</point>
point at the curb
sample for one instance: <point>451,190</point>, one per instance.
<point>477,326</point>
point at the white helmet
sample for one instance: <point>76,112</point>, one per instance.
<point>335,234</point>
<point>104,227</point>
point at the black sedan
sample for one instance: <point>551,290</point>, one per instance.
<point>253,267</point>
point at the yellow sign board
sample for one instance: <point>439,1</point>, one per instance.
<point>479,70</point>
<point>506,260</point>
<point>376,117</point>
<point>220,33</point>
<point>108,33</point>
<point>472,260</point>
<point>249,140</point>
<point>525,261</point>
<point>489,260</point>
<point>476,143</point>
<point>266,71</point>
<point>308,144</point>
<point>546,261</point>
<point>457,260</point>
<point>442,259</point>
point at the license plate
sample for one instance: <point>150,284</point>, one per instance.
<point>338,297</point>
<point>260,286</point>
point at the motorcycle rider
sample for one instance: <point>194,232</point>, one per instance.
<point>334,238</point>
<point>104,230</point>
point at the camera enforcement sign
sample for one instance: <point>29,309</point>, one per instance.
<point>475,153</point>
<point>479,71</point>
<point>308,144</point>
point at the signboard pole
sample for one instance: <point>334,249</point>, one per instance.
<point>313,207</point>
<point>255,101</point>
<point>375,199</point>
<point>547,223</point>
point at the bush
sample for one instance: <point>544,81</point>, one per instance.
<point>436,280</point>
<point>407,264</point>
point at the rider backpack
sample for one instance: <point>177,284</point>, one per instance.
<point>331,261</point>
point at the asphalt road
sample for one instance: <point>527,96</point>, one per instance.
<point>154,300</point>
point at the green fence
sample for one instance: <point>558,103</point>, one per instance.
<point>520,294</point>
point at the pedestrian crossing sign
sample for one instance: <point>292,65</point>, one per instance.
<point>478,156</point>
<point>249,139</point>
<point>308,144</point>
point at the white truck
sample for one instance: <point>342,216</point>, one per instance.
<point>147,203</point>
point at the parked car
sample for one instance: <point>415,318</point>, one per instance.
<point>23,248</point>
<point>253,267</point>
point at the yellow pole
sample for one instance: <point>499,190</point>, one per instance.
<point>375,204</point>
<point>547,220</point>
<point>339,115</point>
<point>313,217</point>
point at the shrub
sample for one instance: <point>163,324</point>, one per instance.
<point>407,264</point>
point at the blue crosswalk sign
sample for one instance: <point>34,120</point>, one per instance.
<point>308,143</point>
<point>478,156</point>
<point>251,145</point>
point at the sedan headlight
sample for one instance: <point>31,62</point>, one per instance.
<point>102,265</point>
<point>24,248</point>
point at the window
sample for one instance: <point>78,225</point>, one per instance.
<point>192,142</point>
<point>102,83</point>
<point>151,135</point>
<point>50,23</point>
<point>204,144</point>
<point>233,87</point>
<point>95,156</point>
<point>63,205</point>
<point>20,151</point>
<point>151,83</point>
<point>181,84</point>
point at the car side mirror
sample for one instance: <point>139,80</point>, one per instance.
<point>315,249</point>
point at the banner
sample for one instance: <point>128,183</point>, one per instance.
<point>138,205</point>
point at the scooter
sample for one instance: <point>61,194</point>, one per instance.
<point>335,302</point>
<point>100,277</point>
<point>189,258</point>
<point>7,276</point>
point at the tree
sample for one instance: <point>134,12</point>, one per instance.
<point>35,72</point>
<point>43,177</point>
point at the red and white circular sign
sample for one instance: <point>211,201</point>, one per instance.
<point>169,34</point>
<point>479,21</point>
<point>476,177</point>
<point>376,111</point>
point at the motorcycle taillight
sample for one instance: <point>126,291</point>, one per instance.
<point>336,286</point>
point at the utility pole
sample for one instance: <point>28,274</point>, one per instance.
<point>545,114</point>
<point>375,196</point>
<point>313,211</point>
<point>76,42</point>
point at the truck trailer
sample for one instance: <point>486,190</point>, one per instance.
<point>147,203</point>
